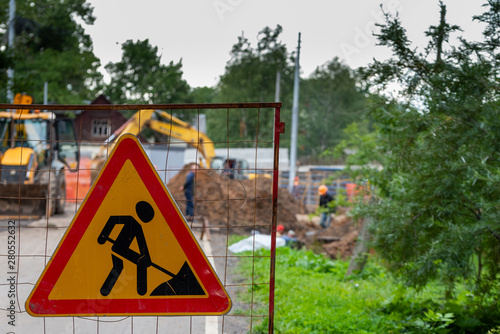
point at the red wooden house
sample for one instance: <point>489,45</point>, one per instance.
<point>94,126</point>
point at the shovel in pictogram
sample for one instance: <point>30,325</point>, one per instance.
<point>184,283</point>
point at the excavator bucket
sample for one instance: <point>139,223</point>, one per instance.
<point>23,201</point>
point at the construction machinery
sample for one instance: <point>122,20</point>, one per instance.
<point>231,168</point>
<point>35,150</point>
<point>163,123</point>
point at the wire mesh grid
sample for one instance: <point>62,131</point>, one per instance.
<point>236,188</point>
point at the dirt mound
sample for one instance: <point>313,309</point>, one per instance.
<point>236,203</point>
<point>337,241</point>
<point>346,230</point>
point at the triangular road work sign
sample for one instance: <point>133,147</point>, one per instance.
<point>128,251</point>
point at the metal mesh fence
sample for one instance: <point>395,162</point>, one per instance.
<point>235,196</point>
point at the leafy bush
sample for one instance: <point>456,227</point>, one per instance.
<point>312,296</point>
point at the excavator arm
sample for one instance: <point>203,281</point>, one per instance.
<point>163,123</point>
<point>190,135</point>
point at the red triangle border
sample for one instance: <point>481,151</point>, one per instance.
<point>216,303</point>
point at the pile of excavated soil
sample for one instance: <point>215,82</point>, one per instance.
<point>245,205</point>
<point>346,230</point>
<point>337,241</point>
<point>235,203</point>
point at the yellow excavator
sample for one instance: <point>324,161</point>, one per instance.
<point>163,123</point>
<point>166,124</point>
<point>35,150</point>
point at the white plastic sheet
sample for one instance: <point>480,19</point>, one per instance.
<point>261,241</point>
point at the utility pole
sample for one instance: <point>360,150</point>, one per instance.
<point>10,71</point>
<point>278,82</point>
<point>295,122</point>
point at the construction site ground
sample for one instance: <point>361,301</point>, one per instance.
<point>240,206</point>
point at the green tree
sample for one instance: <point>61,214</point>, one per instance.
<point>250,76</point>
<point>331,99</point>
<point>141,78</point>
<point>50,46</point>
<point>437,213</point>
<point>202,95</point>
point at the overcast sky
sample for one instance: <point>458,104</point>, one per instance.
<point>202,32</point>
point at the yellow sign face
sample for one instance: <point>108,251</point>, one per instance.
<point>128,251</point>
<point>92,262</point>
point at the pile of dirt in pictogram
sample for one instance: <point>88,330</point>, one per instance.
<point>245,204</point>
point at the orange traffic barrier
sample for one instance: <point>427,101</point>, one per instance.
<point>354,190</point>
<point>78,183</point>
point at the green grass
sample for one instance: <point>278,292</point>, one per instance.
<point>312,296</point>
